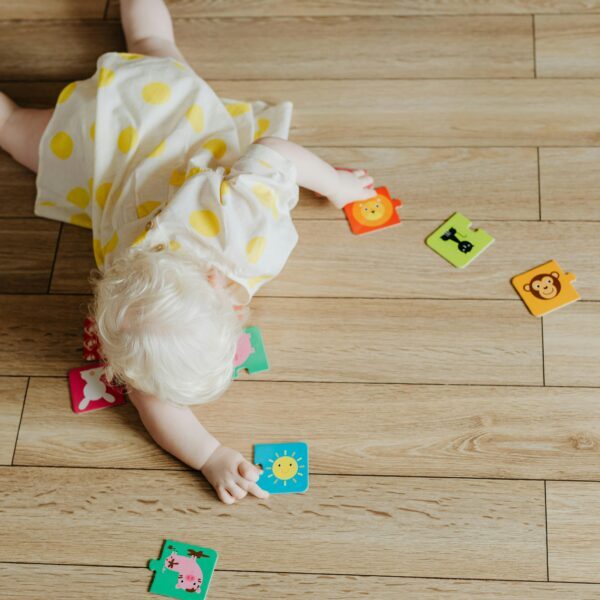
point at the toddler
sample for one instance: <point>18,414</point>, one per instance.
<point>189,197</point>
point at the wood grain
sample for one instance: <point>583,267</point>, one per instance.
<point>407,430</point>
<point>329,261</point>
<point>570,183</point>
<point>17,188</point>
<point>12,396</point>
<point>486,183</point>
<point>573,530</point>
<point>51,9</point>
<point>368,341</point>
<point>572,345</point>
<point>230,8</point>
<point>401,526</point>
<point>54,582</point>
<point>280,47</point>
<point>26,255</point>
<point>423,113</point>
<point>567,45</point>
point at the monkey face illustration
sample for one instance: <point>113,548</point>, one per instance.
<point>544,286</point>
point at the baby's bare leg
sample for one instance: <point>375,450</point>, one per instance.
<point>21,130</point>
<point>148,28</point>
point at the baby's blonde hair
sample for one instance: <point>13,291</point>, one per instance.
<point>164,329</point>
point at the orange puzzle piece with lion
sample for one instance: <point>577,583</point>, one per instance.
<point>375,213</point>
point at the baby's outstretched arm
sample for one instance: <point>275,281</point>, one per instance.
<point>341,187</point>
<point>179,432</point>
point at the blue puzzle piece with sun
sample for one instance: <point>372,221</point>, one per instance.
<point>285,467</point>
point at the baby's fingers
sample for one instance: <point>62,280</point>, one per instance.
<point>248,471</point>
<point>236,491</point>
<point>224,495</point>
<point>257,491</point>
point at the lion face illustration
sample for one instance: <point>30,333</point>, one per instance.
<point>373,212</point>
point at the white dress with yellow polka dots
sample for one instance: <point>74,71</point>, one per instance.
<point>146,155</point>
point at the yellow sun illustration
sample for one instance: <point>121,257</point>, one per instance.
<point>285,467</point>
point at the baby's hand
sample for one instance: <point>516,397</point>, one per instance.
<point>232,476</point>
<point>352,186</point>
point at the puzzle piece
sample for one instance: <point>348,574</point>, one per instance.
<point>91,343</point>
<point>455,241</point>
<point>545,288</point>
<point>183,569</point>
<point>90,390</point>
<point>285,467</point>
<point>250,354</point>
<point>366,216</point>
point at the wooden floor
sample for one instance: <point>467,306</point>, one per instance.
<point>455,439</point>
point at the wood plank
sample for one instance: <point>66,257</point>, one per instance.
<point>235,8</point>
<point>26,255</point>
<point>12,396</point>
<point>17,188</point>
<point>60,582</point>
<point>274,48</point>
<point>500,432</point>
<point>487,183</point>
<point>418,527</point>
<point>572,345</point>
<point>573,530</point>
<point>51,9</point>
<point>76,45</point>
<point>432,113</point>
<point>328,259</point>
<point>567,45</point>
<point>570,183</point>
<point>485,342</point>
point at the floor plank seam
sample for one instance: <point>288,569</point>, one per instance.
<point>546,528</point>
<point>311,573</point>
<point>539,184</point>
<point>543,353</point>
<point>12,462</point>
<point>56,249</point>
<point>312,474</point>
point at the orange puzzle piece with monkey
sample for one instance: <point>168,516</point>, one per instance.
<point>545,288</point>
<point>375,213</point>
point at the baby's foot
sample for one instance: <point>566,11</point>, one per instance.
<point>7,107</point>
<point>353,185</point>
<point>232,476</point>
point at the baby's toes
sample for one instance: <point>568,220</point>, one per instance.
<point>358,172</point>
<point>248,471</point>
<point>366,180</point>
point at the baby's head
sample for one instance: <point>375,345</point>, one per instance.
<point>164,329</point>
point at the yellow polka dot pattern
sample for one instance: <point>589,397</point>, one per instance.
<point>195,117</point>
<point>160,149</point>
<point>66,93</point>
<point>100,251</point>
<point>102,194</point>
<point>79,197</point>
<point>238,108</point>
<point>105,77</point>
<point>262,126</point>
<point>267,197</point>
<point>174,245</point>
<point>216,147</point>
<point>62,145</point>
<point>156,93</point>
<point>147,208</point>
<point>205,222</point>
<point>81,220</point>
<point>93,131</point>
<point>255,249</point>
<point>127,139</point>
<point>177,178</point>
<point>130,56</point>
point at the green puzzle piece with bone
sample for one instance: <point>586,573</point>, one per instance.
<point>455,241</point>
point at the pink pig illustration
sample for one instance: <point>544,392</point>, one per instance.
<point>243,351</point>
<point>190,573</point>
